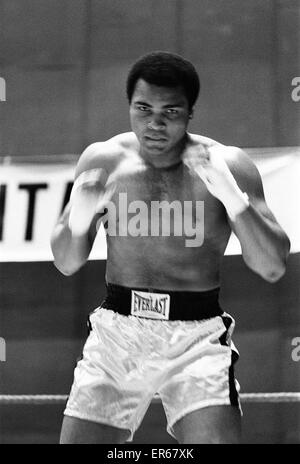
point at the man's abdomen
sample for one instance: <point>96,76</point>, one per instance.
<point>163,263</point>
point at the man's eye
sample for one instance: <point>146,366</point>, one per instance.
<point>143,108</point>
<point>172,112</point>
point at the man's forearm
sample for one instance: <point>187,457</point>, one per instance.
<point>265,246</point>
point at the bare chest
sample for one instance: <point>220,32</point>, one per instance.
<point>167,202</point>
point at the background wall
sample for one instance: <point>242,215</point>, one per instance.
<point>65,63</point>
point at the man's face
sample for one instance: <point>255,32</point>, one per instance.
<point>159,117</point>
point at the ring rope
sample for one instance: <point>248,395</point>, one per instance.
<point>280,397</point>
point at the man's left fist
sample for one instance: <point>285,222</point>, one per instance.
<point>215,173</point>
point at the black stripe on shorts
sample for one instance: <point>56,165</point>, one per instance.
<point>233,394</point>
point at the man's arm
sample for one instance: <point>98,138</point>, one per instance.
<point>265,246</point>
<point>73,236</point>
<point>70,253</point>
<point>229,174</point>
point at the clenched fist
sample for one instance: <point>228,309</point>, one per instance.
<point>213,170</point>
<point>91,192</point>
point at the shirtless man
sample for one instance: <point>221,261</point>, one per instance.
<point>160,328</point>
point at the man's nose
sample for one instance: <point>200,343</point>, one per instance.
<point>156,123</point>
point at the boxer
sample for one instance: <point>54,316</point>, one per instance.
<point>160,329</point>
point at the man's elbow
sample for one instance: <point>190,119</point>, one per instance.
<point>64,261</point>
<point>66,270</point>
<point>275,274</point>
<point>269,272</point>
<point>279,268</point>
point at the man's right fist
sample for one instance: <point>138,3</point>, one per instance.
<point>91,191</point>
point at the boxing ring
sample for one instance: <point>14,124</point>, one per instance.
<point>255,401</point>
<point>280,397</point>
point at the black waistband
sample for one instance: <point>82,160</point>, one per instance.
<point>184,305</point>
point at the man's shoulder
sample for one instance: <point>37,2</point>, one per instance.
<point>211,144</point>
<point>236,158</point>
<point>112,148</point>
<point>201,140</point>
<point>232,154</point>
<point>202,146</point>
<point>241,166</point>
<point>106,154</point>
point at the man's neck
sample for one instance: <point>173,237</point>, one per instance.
<point>168,159</point>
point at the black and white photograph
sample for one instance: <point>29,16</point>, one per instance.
<point>150,224</point>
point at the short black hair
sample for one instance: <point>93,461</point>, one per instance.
<point>165,69</point>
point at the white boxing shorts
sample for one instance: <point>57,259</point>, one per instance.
<point>128,359</point>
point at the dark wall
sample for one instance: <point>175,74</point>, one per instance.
<point>65,63</point>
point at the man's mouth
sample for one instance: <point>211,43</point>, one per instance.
<point>154,138</point>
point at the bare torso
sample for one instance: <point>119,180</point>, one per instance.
<point>164,262</point>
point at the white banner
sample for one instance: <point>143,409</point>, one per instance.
<point>32,197</point>
<point>280,172</point>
